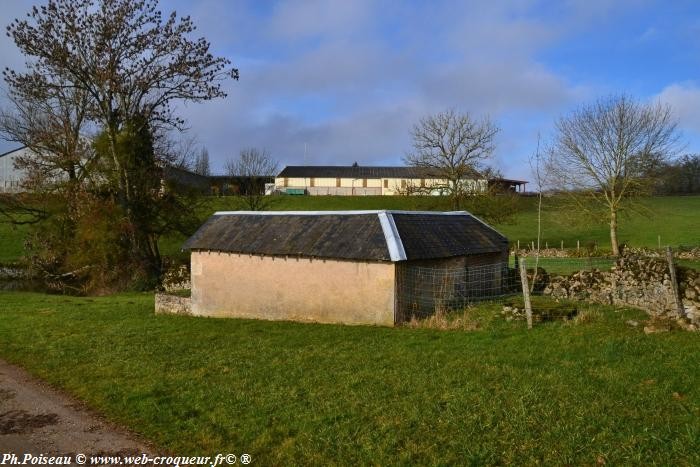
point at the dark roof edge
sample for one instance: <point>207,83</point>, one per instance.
<point>507,180</point>
<point>341,213</point>
<point>311,171</point>
<point>486,225</point>
<point>271,255</point>
<point>14,150</point>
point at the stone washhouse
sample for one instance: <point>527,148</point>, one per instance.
<point>353,267</point>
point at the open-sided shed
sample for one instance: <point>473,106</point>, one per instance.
<point>356,267</point>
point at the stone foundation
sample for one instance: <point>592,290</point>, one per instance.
<point>172,304</point>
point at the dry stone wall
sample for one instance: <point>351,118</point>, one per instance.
<point>680,253</point>
<point>12,273</point>
<point>172,304</point>
<point>177,278</point>
<point>639,281</point>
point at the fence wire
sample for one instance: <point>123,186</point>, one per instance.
<point>427,290</point>
<point>424,291</point>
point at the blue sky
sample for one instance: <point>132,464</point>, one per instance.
<point>348,79</point>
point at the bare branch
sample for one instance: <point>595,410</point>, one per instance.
<point>603,152</point>
<point>454,146</point>
<point>253,166</point>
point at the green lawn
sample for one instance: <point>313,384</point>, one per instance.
<point>675,219</point>
<point>302,394</point>
<point>11,242</point>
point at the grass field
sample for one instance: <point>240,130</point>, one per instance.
<point>11,242</point>
<point>675,219</point>
<point>300,394</point>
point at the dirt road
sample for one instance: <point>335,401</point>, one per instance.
<point>36,419</point>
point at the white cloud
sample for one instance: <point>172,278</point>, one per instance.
<point>297,19</point>
<point>350,78</point>
<point>684,99</point>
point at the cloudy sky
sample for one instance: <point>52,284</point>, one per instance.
<point>348,78</point>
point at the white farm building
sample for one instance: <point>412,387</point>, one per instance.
<point>359,181</point>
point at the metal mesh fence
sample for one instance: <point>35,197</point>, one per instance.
<point>660,282</point>
<point>426,290</point>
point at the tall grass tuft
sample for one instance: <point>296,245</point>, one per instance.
<point>444,320</point>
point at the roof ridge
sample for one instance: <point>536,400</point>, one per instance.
<point>392,236</point>
<point>376,235</point>
<point>14,150</point>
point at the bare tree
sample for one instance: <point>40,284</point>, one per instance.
<point>453,145</point>
<point>253,167</point>
<point>536,167</point>
<point>602,151</point>
<point>52,125</point>
<point>201,163</point>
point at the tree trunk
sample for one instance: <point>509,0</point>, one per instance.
<point>455,195</point>
<point>613,232</point>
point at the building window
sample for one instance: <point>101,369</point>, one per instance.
<point>364,183</point>
<point>337,183</point>
<point>286,181</point>
<point>312,182</point>
<point>386,183</point>
<point>403,183</point>
<point>422,182</point>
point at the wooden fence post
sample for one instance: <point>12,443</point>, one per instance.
<point>526,294</point>
<point>674,283</point>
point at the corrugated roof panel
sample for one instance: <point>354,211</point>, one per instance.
<point>349,235</point>
<point>329,236</point>
<point>426,236</point>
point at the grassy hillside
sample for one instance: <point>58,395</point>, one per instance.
<point>307,394</point>
<point>675,219</point>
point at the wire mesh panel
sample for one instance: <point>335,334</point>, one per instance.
<point>424,290</point>
<point>560,288</point>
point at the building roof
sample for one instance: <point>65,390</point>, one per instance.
<point>351,235</point>
<point>13,151</point>
<point>508,181</point>
<point>354,171</point>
